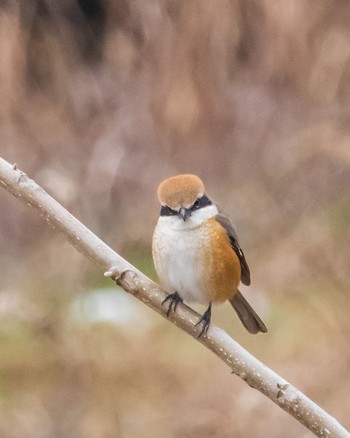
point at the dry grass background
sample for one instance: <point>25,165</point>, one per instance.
<point>102,99</point>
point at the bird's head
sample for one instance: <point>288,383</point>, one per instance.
<point>181,195</point>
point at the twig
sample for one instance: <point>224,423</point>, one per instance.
<point>242,363</point>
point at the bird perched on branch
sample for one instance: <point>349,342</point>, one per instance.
<point>196,252</point>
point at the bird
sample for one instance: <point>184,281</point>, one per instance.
<point>196,252</point>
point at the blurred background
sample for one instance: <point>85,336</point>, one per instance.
<point>101,100</point>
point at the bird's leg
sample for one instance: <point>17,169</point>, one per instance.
<point>205,321</point>
<point>174,299</point>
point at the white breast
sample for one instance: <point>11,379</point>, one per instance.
<point>178,254</point>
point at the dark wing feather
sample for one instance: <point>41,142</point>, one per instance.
<point>226,223</point>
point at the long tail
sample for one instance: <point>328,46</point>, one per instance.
<point>247,314</point>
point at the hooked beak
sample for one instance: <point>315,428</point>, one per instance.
<point>184,213</point>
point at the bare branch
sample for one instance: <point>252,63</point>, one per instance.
<point>242,363</point>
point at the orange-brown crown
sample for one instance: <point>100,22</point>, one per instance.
<point>180,191</point>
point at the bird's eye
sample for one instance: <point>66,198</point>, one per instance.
<point>204,201</point>
<point>196,205</point>
<point>167,211</point>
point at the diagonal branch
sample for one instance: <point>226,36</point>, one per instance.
<point>242,363</point>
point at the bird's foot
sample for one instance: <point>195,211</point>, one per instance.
<point>205,321</point>
<point>174,299</point>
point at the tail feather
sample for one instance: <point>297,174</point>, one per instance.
<point>247,314</point>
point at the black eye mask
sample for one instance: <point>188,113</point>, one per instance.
<point>204,201</point>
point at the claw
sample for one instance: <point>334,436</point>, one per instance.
<point>205,321</point>
<point>174,299</point>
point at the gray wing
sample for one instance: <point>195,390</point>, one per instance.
<point>226,223</point>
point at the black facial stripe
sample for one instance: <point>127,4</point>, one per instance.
<point>166,211</point>
<point>204,201</point>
